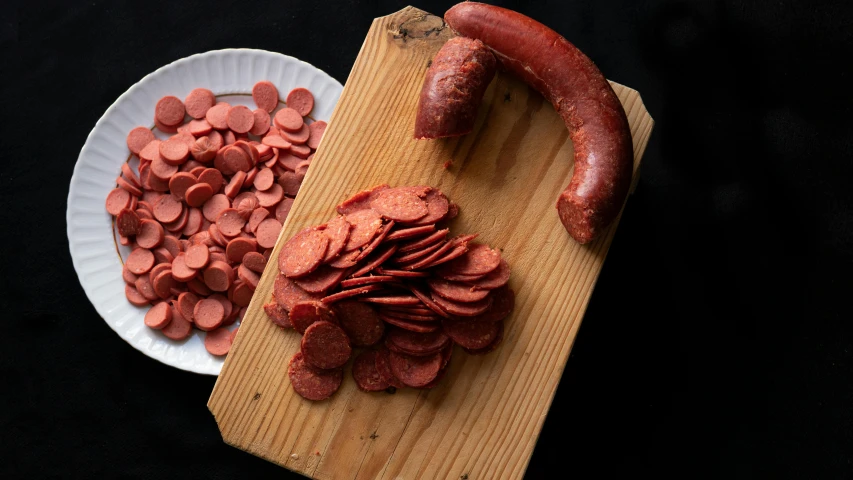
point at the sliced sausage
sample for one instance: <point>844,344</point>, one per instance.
<point>198,102</point>
<point>169,111</point>
<point>325,345</point>
<point>255,262</point>
<point>480,260</point>
<point>208,314</point>
<point>180,182</point>
<point>186,304</point>
<point>377,258</point>
<point>150,234</point>
<point>218,342</point>
<point>261,122</point>
<point>411,232</point>
<point>312,383</point>
<point>321,280</point>
<point>365,224</point>
<point>213,207</point>
<point>217,115</point>
<point>502,305</point>
<point>179,328</point>
<point>361,323</point>
<point>134,297</point>
<point>158,316</point>
<point>303,253</point>
<point>305,314</point>
<point>139,138</point>
<point>490,347</point>
<point>383,367</point>
<point>351,292</point>
<point>287,293</point>
<point>288,119</point>
<point>127,222</point>
<point>174,151</point>
<point>140,261</point>
<point>117,200</point>
<point>267,232</point>
<point>457,292</point>
<point>240,119</point>
<point>467,309</point>
<point>278,315</point>
<point>414,343</point>
<point>230,222</point>
<point>198,194</point>
<point>415,371</point>
<point>218,276</point>
<point>316,131</point>
<point>265,96</point>
<point>365,374</point>
<point>238,247</point>
<point>301,100</point>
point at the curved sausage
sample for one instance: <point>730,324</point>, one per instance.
<point>581,95</point>
<point>453,89</point>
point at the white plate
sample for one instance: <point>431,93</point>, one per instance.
<point>90,231</point>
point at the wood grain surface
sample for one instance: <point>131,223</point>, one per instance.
<point>484,418</point>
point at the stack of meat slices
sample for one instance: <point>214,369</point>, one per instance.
<point>383,275</point>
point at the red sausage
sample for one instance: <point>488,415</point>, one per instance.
<point>240,119</point>
<point>218,342</point>
<point>255,262</point>
<point>267,232</point>
<point>262,122</point>
<point>179,328</point>
<point>316,131</point>
<point>212,177</point>
<point>204,149</point>
<point>174,151</point>
<point>150,234</point>
<point>198,102</point>
<point>127,222</point>
<point>217,115</point>
<point>208,314</point>
<point>453,89</point>
<point>581,95</point>
<point>312,383</point>
<point>198,194</point>
<point>218,276</point>
<point>138,138</point>
<point>198,128</point>
<point>325,345</point>
<point>238,247</point>
<point>365,374</point>
<point>275,141</point>
<point>263,179</point>
<point>197,256</point>
<point>117,200</point>
<point>301,100</point>
<point>169,111</point>
<point>265,95</point>
<point>158,316</point>
<point>288,119</point>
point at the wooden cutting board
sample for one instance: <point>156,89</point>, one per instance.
<point>483,420</point>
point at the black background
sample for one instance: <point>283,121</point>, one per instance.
<point>718,342</point>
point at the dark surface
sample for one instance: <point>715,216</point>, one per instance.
<point>718,342</point>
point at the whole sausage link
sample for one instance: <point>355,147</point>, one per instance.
<point>581,95</point>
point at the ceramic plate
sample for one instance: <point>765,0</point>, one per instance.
<point>97,257</point>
